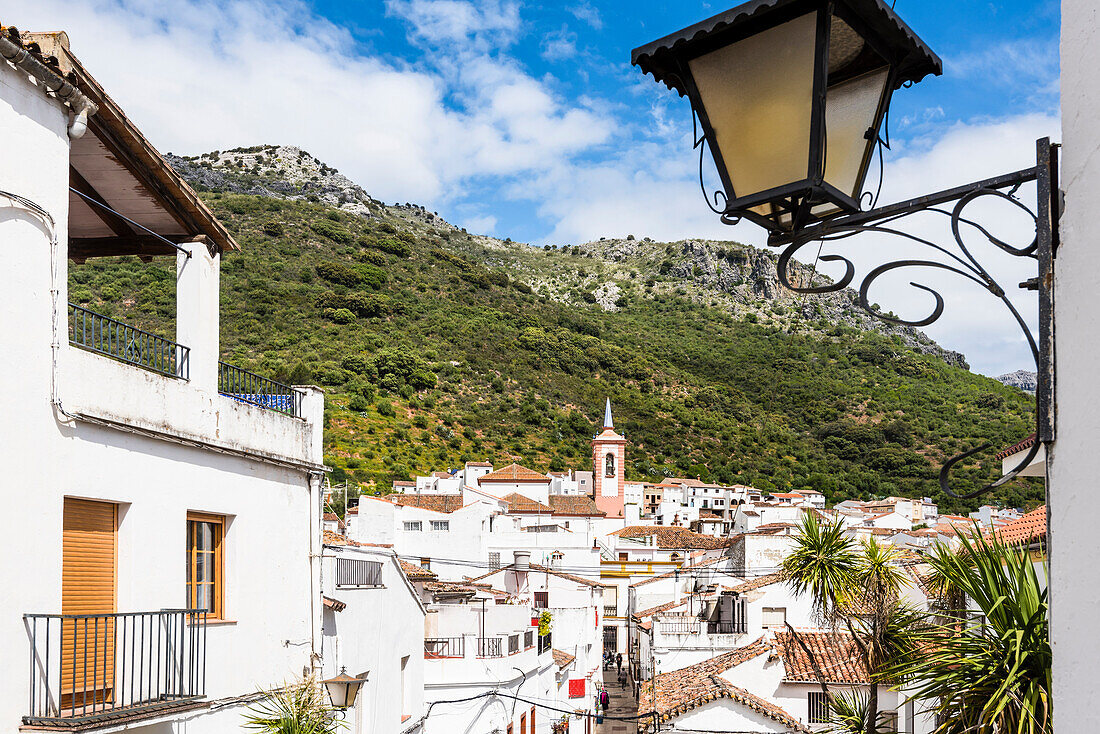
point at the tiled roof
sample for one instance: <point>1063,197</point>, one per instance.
<point>330,538</point>
<point>330,517</point>
<point>672,538</point>
<point>442,474</point>
<point>518,503</point>
<point>786,495</point>
<point>514,473</point>
<point>707,515</point>
<point>543,569</point>
<point>758,583</point>
<point>1027,443</point>
<point>581,505</point>
<point>1029,528</point>
<point>479,463</point>
<point>334,604</point>
<point>417,573</point>
<point>609,434</point>
<point>835,654</point>
<point>671,574</point>
<point>680,691</point>
<point>403,483</point>
<point>561,659</point>
<point>434,502</point>
<point>685,482</point>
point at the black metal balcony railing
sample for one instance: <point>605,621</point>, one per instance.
<point>610,610</point>
<point>528,639</point>
<point>727,628</point>
<point>513,644</point>
<point>88,667</point>
<point>489,647</point>
<point>354,573</point>
<point>102,334</point>
<point>444,647</point>
<point>684,625</point>
<point>544,643</point>
<point>248,387</point>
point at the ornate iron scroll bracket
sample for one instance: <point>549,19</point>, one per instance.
<point>958,259</point>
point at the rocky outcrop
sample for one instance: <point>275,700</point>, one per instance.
<point>1021,380</point>
<point>280,171</point>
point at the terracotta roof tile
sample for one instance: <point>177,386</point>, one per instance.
<point>680,691</point>
<point>518,503</point>
<point>575,505</point>
<point>561,659</point>
<point>835,654</point>
<point>334,604</point>
<point>514,473</point>
<point>417,573</point>
<point>1029,528</point>
<point>1027,443</point>
<point>433,502</point>
<point>479,463</point>
<point>673,538</point>
<point>759,582</point>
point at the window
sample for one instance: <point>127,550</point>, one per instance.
<point>426,563</point>
<point>542,599</point>
<point>441,524</point>
<point>818,707</point>
<point>204,563</point>
<point>888,721</point>
<point>609,466</point>
<point>622,556</point>
<point>412,526</point>
<point>494,560</point>
<point>774,616</point>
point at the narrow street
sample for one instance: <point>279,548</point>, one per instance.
<point>623,703</point>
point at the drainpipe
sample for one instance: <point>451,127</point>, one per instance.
<point>53,82</point>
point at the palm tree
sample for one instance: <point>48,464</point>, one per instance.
<point>986,662</point>
<point>857,586</point>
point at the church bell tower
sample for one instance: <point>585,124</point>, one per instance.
<point>608,470</point>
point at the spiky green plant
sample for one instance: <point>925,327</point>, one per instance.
<point>822,564</point>
<point>987,665</point>
<point>848,714</point>
<point>297,708</point>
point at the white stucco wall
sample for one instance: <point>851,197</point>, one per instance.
<point>1074,460</point>
<point>377,628</point>
<point>271,509</point>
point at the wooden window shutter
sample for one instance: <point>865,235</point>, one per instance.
<point>89,572</point>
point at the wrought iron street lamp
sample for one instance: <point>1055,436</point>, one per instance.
<point>343,689</point>
<point>793,100</point>
<point>791,96</point>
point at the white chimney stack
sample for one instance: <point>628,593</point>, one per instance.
<point>522,560</point>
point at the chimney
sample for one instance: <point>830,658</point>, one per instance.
<point>522,560</point>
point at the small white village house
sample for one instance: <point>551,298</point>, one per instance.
<point>162,506</point>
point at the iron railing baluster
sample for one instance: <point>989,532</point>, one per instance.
<point>248,387</point>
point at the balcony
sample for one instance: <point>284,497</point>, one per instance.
<point>98,333</point>
<point>356,574</point>
<point>727,628</point>
<point>545,643</point>
<point>682,625</point>
<point>444,647</point>
<point>103,669</point>
<point>490,647</point>
<point>611,610</point>
<point>248,387</point>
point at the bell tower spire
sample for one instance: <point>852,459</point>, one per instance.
<point>608,466</point>
<point>607,422</point>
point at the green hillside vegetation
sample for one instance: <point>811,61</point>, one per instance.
<point>436,347</point>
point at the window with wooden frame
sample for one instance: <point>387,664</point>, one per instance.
<point>205,563</point>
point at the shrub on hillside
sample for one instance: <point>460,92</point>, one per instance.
<point>342,316</point>
<point>273,229</point>
<point>372,258</point>
<point>394,247</point>
<point>339,273</point>
<point>326,228</point>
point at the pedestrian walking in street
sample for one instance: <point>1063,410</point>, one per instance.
<point>622,678</point>
<point>619,661</point>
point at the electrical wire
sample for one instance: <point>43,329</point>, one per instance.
<point>126,219</point>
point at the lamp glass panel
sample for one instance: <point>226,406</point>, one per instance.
<point>757,94</point>
<point>850,109</point>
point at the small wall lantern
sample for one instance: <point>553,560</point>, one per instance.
<point>791,95</point>
<point>343,689</point>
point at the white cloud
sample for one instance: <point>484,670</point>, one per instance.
<point>490,22</point>
<point>197,75</point>
<point>480,224</point>
<point>588,13</point>
<point>559,45</point>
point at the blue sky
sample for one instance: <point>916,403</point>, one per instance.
<point>527,121</point>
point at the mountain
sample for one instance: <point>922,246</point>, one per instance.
<point>437,346</point>
<point>1021,380</point>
